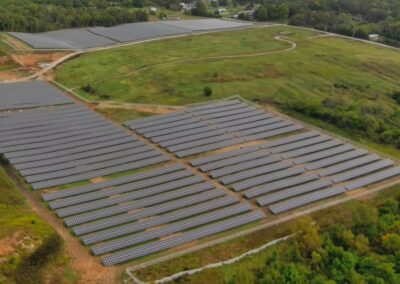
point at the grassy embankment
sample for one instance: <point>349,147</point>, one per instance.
<point>30,250</point>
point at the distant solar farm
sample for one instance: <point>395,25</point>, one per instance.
<point>105,36</point>
<point>198,172</point>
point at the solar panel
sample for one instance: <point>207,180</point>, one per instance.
<point>306,199</point>
<point>221,113</point>
<point>169,229</point>
<point>362,170</point>
<point>99,173</point>
<point>348,165</point>
<point>271,133</point>
<point>164,125</point>
<point>255,172</point>
<point>198,108</point>
<point>145,183</point>
<point>89,157</point>
<point>244,166</point>
<point>277,185</point>
<point>191,138</point>
<point>144,152</point>
<point>204,129</point>
<point>240,118</point>
<point>333,160</point>
<point>292,191</point>
<point>289,139</point>
<point>221,156</point>
<point>373,178</point>
<point>311,149</point>
<point>300,144</point>
<point>114,182</point>
<point>30,94</point>
<point>186,237</point>
<point>324,154</point>
<point>253,124</point>
<point>209,147</point>
<point>147,212</point>
<point>200,142</point>
<point>174,129</point>
<point>158,220</point>
<point>111,211</point>
<point>234,160</point>
<point>261,129</point>
<point>93,167</point>
<point>242,185</point>
<point>97,207</point>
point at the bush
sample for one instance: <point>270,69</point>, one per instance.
<point>88,89</point>
<point>207,91</point>
<point>29,271</point>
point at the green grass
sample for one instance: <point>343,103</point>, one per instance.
<point>22,234</point>
<point>121,115</point>
<point>5,51</point>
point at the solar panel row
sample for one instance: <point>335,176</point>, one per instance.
<point>210,127</point>
<point>247,169</point>
<point>172,228</point>
<point>30,95</point>
<point>65,144</point>
<point>158,220</point>
<point>142,208</point>
<point>183,238</point>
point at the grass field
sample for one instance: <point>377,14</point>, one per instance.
<point>30,249</point>
<point>310,70</point>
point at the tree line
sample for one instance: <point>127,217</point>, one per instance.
<point>356,18</point>
<point>45,15</point>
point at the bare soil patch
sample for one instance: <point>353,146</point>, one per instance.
<point>32,60</point>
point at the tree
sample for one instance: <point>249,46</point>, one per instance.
<point>200,9</point>
<point>261,14</point>
<point>391,242</point>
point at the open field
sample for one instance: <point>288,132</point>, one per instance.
<point>345,83</point>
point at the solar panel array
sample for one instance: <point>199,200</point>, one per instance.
<point>151,211</point>
<point>138,31</point>
<point>60,145</point>
<point>102,36</point>
<point>136,215</point>
<point>296,170</point>
<point>204,128</point>
<point>30,95</point>
<point>206,24</point>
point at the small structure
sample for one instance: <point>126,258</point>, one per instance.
<point>373,37</point>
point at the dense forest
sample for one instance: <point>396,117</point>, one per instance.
<point>360,244</point>
<point>44,15</point>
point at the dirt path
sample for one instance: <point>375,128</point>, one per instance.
<point>87,266</point>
